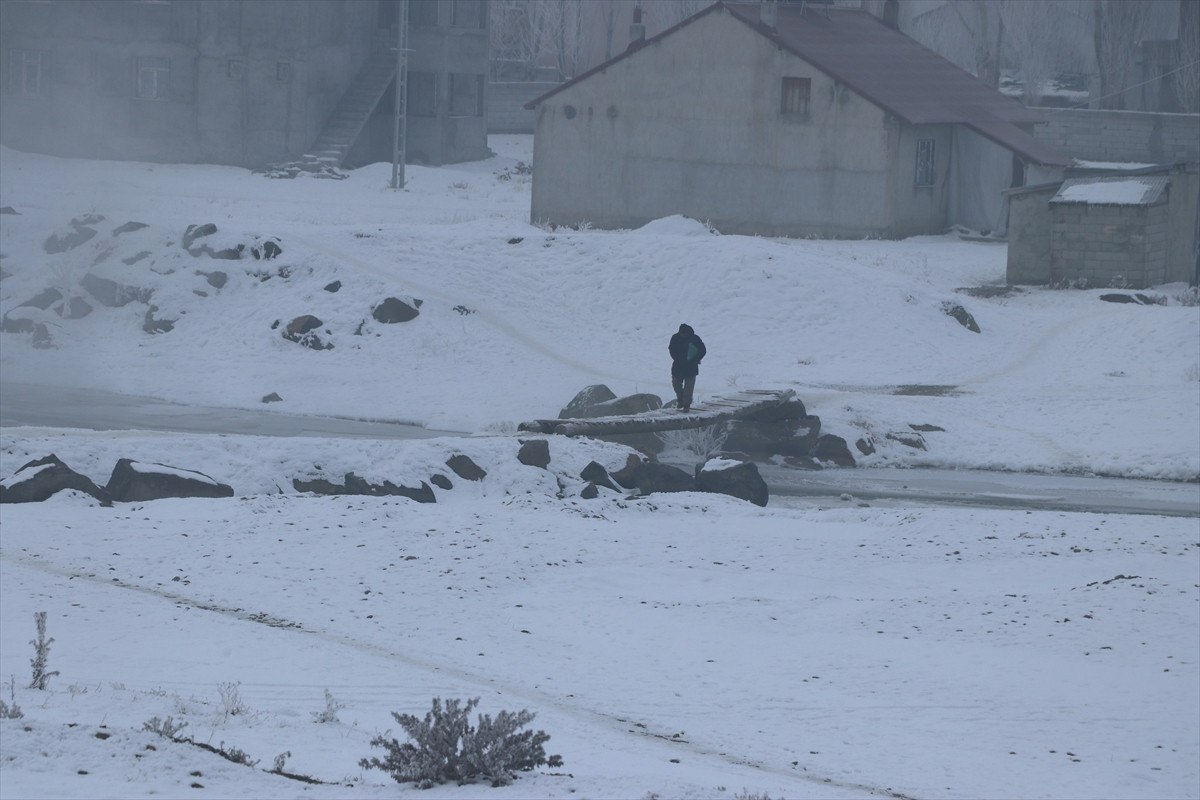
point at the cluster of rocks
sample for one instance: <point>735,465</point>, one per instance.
<point>785,432</point>
<point>131,481</point>
<point>309,167</point>
<point>305,329</point>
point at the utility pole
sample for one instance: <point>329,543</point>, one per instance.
<point>399,134</point>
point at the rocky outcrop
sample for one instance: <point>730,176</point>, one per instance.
<point>588,396</point>
<point>961,315</point>
<point>393,310</point>
<point>595,473</point>
<point>833,449</point>
<point>465,468</point>
<point>739,479</point>
<point>534,453</point>
<point>135,481</point>
<point>112,294</point>
<point>41,479</point>
<point>302,331</point>
<point>650,477</point>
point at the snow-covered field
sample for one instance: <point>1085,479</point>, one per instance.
<point>672,646</point>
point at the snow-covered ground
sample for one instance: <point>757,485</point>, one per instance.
<point>673,646</point>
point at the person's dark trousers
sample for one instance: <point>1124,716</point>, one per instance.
<point>683,390</point>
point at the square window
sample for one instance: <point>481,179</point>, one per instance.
<point>423,13</point>
<point>283,71</point>
<point>27,72</point>
<point>153,78</point>
<point>466,95</point>
<point>236,68</point>
<point>925,172</point>
<point>467,14</point>
<point>794,95</point>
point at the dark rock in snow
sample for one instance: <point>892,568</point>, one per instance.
<point>833,448</point>
<point>62,242</point>
<point>112,294</point>
<point>595,473</point>
<point>627,474</point>
<point>648,444</point>
<point>9,210</point>
<point>1119,298</point>
<point>131,260</point>
<point>441,481</point>
<point>465,468</point>
<point>216,279</point>
<point>960,314</point>
<point>44,299</point>
<point>589,492</point>
<point>913,439</point>
<point>357,485</point>
<point>40,479</point>
<point>302,331</point>
<point>195,232</point>
<point>74,308</point>
<point>153,325</point>
<point>333,287</point>
<point>273,397</point>
<point>129,227</point>
<point>41,337</point>
<point>318,486</point>
<point>133,481</point>
<point>650,477</point>
<point>588,396</point>
<point>267,250</point>
<point>393,310</point>
<point>740,480</point>
<point>925,428</point>
<point>865,445</point>
<point>789,410</point>
<point>534,453</point>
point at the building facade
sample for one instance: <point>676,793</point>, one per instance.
<point>241,82</point>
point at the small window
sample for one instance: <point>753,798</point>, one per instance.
<point>423,13</point>
<point>27,72</point>
<point>467,14</point>
<point>794,96</point>
<point>283,71</point>
<point>236,68</point>
<point>422,94</point>
<point>153,78</point>
<point>466,95</point>
<point>925,173</point>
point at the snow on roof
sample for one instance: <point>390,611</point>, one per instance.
<point>1128,166</point>
<point>1143,190</point>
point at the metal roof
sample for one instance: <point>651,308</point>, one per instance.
<point>887,68</point>
<point>1115,190</point>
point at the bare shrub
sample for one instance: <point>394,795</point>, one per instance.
<point>167,728</point>
<point>329,713</point>
<point>231,699</point>
<point>702,443</point>
<point>445,747</point>
<point>7,710</point>
<point>41,654</point>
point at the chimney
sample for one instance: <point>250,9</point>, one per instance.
<point>768,12</point>
<point>637,31</point>
<point>891,14</point>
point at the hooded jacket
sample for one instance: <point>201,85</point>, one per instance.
<point>686,349</point>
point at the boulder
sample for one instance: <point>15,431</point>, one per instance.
<point>617,406</point>
<point>465,468</point>
<point>783,437</point>
<point>393,310</point>
<point>650,477</point>
<point>333,287</point>
<point>42,340</point>
<point>926,428</point>
<point>40,479</point>
<point>302,330</point>
<point>357,485</point>
<point>865,445</point>
<point>216,279</point>
<point>195,232</point>
<point>908,439</point>
<point>595,473</point>
<point>273,397</point>
<point>960,314</point>
<point>589,492</point>
<point>441,481</point>
<point>43,299</point>
<point>266,250</point>
<point>74,308</point>
<point>129,227</point>
<point>112,294</point>
<point>133,481</point>
<point>534,453</point>
<point>68,240</point>
<point>738,479</point>
<point>153,325</point>
<point>628,473</point>
<point>788,410</point>
<point>648,444</point>
<point>318,486</point>
<point>833,448</point>
<point>588,396</point>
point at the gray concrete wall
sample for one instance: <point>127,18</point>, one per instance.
<point>920,209</point>
<point>228,101</point>
<point>505,105</point>
<point>1108,245</point>
<point>1029,222</point>
<point>691,125</point>
<point>1129,136</point>
<point>1184,224</point>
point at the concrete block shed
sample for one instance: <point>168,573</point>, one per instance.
<point>1110,231</point>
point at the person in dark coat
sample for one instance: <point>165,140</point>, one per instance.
<point>686,350</point>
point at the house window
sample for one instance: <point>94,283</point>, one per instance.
<point>466,95</point>
<point>925,174</point>
<point>423,12</point>
<point>794,96</point>
<point>467,14</point>
<point>27,72</point>
<point>283,71</point>
<point>236,68</point>
<point>422,94</point>
<point>153,78</point>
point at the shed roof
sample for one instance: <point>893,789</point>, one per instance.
<point>889,69</point>
<point>1140,190</point>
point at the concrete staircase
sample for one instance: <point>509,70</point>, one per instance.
<point>355,108</point>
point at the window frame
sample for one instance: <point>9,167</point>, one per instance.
<point>925,163</point>
<point>20,59</point>
<point>795,96</point>
<point>477,79</point>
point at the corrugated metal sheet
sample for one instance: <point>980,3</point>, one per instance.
<point>1118,190</point>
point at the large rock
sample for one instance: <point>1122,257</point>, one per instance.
<point>393,310</point>
<point>763,439</point>
<point>40,479</point>
<point>302,330</point>
<point>650,477</point>
<point>133,481</point>
<point>788,410</point>
<point>588,396</point>
<point>357,485</point>
<point>534,453</point>
<point>834,448</point>
<point>77,235</point>
<point>735,478</point>
<point>112,294</point>
<point>961,315</point>
<point>465,468</point>
<point>595,473</point>
<point>627,475</point>
<point>648,444</point>
<point>615,407</point>
<point>195,232</point>
<point>152,324</point>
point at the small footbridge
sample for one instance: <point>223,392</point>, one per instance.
<point>750,403</point>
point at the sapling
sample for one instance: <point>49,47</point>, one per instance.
<point>11,711</point>
<point>41,654</point>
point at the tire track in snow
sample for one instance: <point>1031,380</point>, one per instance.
<point>533,697</point>
<point>503,326</point>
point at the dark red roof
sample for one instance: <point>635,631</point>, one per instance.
<point>886,67</point>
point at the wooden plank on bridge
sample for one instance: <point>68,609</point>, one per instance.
<point>721,408</point>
